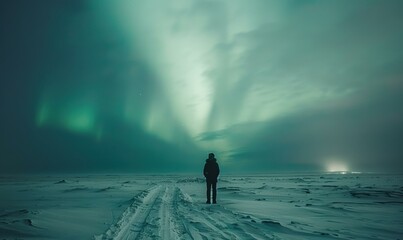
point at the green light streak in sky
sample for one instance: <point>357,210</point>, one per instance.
<point>79,120</point>
<point>76,117</point>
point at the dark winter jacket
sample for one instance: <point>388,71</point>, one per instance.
<point>211,169</point>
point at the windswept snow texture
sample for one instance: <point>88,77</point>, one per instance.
<point>309,206</point>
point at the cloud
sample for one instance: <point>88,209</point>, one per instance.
<point>364,130</point>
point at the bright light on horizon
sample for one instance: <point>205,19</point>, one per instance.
<point>336,166</point>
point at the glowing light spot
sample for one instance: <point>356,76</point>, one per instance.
<point>336,166</point>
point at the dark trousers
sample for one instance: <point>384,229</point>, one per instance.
<point>211,183</point>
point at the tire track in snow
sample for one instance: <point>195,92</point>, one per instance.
<point>136,226</point>
<point>217,221</point>
<point>185,228</point>
<point>132,222</point>
<point>166,212</point>
<point>198,224</point>
<point>168,228</point>
<point>152,215</point>
<point>222,223</point>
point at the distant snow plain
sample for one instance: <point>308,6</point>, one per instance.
<point>272,206</point>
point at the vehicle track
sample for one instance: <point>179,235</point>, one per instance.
<point>167,212</point>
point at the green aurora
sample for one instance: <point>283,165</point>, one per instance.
<point>153,86</point>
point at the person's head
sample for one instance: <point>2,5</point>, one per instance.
<point>211,155</point>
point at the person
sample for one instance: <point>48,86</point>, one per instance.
<point>211,172</point>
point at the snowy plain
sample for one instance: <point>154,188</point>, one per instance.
<point>272,206</point>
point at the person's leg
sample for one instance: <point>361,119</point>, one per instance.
<point>214,192</point>
<point>208,191</point>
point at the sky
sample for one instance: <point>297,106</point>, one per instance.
<point>155,85</point>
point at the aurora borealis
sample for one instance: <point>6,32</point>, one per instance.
<point>153,86</point>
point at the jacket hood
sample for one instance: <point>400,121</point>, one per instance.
<point>211,160</point>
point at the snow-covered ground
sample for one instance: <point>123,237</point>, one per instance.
<point>274,206</point>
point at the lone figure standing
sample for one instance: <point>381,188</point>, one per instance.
<point>211,172</point>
